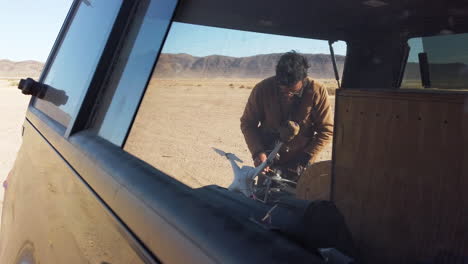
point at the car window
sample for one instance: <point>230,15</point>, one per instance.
<point>447,62</point>
<point>190,114</point>
<point>73,66</point>
<point>118,104</point>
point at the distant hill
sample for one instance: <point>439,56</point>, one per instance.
<point>259,66</point>
<point>20,69</point>
<point>188,66</point>
<point>452,75</point>
<point>447,75</point>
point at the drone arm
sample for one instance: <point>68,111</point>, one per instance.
<point>269,160</point>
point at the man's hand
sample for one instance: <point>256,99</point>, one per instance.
<point>288,131</point>
<point>259,159</point>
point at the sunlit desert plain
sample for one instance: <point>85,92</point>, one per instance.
<point>182,121</point>
<point>12,114</point>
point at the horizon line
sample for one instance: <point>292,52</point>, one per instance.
<point>184,53</point>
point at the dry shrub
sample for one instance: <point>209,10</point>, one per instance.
<point>242,86</point>
<point>13,82</point>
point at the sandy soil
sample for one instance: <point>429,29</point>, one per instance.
<point>12,108</point>
<point>181,122</point>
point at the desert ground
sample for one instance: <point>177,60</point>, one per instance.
<point>12,108</point>
<point>181,122</point>
<point>179,126</point>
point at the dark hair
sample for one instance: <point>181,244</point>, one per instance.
<point>291,68</point>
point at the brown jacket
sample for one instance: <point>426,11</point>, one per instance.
<point>263,115</point>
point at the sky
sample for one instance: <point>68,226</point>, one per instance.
<point>29,29</point>
<point>202,41</point>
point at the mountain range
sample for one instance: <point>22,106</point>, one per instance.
<point>258,66</point>
<point>188,66</point>
<point>20,69</point>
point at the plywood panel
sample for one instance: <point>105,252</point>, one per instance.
<point>401,174</point>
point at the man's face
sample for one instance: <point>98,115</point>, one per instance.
<point>290,91</point>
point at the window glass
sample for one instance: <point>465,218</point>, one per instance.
<point>120,102</point>
<point>447,57</point>
<point>190,114</point>
<point>77,57</point>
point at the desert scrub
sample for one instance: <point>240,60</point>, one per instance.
<point>13,82</point>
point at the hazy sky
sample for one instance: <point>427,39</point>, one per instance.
<point>30,27</point>
<point>201,41</point>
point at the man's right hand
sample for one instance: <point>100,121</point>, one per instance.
<point>259,159</point>
<point>289,130</point>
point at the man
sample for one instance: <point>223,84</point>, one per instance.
<point>288,97</point>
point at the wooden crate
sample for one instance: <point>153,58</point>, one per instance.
<point>400,174</point>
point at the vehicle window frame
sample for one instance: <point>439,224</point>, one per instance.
<point>97,75</point>
<point>104,67</point>
<point>51,58</point>
<point>58,41</point>
<point>406,87</point>
<point>88,121</point>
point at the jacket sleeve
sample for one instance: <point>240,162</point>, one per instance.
<point>322,117</point>
<point>250,120</point>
